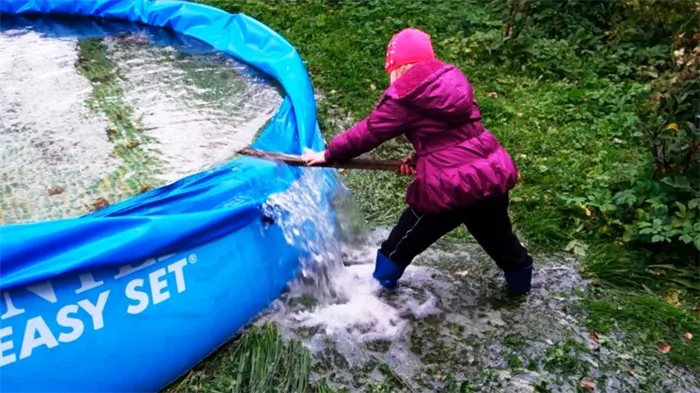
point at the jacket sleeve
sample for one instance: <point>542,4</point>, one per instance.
<point>388,120</point>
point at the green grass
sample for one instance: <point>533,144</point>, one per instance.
<point>259,361</point>
<point>650,320</point>
<point>567,115</point>
<point>560,131</point>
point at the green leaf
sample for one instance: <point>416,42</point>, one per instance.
<point>627,236</point>
<point>571,245</point>
<point>658,239</point>
<point>687,239</point>
<point>626,197</point>
<point>646,288</point>
<point>681,207</point>
<point>580,250</point>
<point>679,182</point>
<point>693,203</point>
<point>691,272</point>
<point>686,283</point>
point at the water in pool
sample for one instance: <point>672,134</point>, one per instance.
<point>92,116</point>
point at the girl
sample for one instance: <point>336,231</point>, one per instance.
<point>462,174</point>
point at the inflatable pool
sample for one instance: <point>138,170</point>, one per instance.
<point>130,297</point>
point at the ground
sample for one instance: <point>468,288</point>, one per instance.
<point>569,118</point>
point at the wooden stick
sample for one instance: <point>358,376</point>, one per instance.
<point>358,163</point>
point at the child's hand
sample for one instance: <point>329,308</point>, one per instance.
<point>406,168</point>
<point>314,158</point>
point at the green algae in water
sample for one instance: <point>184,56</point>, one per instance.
<point>89,122</point>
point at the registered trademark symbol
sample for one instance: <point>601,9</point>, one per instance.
<point>192,258</point>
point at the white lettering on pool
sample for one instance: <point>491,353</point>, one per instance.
<point>71,321</point>
<point>158,287</point>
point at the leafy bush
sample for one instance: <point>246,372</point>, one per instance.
<point>662,204</point>
<point>654,205</point>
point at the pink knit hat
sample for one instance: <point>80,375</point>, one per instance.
<point>406,47</point>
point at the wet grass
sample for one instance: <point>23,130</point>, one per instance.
<point>648,319</point>
<point>260,361</point>
<point>571,132</point>
<point>484,342</point>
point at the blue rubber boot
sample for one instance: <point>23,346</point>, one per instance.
<point>519,281</point>
<point>387,272</point>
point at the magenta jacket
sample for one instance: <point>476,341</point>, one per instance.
<point>458,162</point>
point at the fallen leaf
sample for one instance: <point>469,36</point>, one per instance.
<point>632,373</point>
<point>588,383</point>
<point>100,204</point>
<point>688,336</point>
<point>616,140</point>
<point>594,345</point>
<point>672,298</point>
<point>663,347</point>
<point>55,190</point>
<point>493,94</point>
<point>588,212</point>
<point>462,273</point>
<point>593,335</point>
<point>132,144</point>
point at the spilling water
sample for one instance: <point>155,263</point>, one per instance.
<point>449,327</point>
<point>92,116</point>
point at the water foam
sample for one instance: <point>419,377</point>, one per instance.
<point>336,305</point>
<point>449,316</point>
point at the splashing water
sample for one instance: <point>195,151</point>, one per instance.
<point>449,327</point>
<point>310,229</point>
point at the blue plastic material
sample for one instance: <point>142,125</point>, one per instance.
<point>130,297</point>
<point>387,272</point>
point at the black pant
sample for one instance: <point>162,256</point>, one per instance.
<point>487,221</point>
